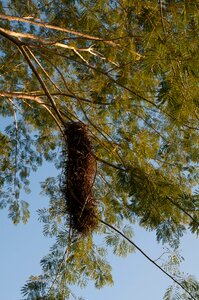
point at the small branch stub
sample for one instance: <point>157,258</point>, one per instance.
<point>79,173</point>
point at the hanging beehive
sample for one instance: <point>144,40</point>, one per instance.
<point>79,173</point>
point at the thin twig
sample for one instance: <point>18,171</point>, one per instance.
<point>72,94</point>
<point>108,163</point>
<point>147,257</point>
<point>182,209</point>
<point>40,65</point>
<point>24,52</point>
<point>35,99</point>
<point>150,126</point>
<point>14,105</point>
<point>59,269</point>
<point>162,19</point>
<point>161,256</point>
<point>16,150</point>
<point>43,86</point>
<point>135,93</point>
<point>103,134</point>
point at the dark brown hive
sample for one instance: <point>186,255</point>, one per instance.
<point>80,174</point>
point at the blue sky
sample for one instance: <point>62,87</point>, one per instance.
<point>23,246</point>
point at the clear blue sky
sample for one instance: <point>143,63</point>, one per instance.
<point>23,246</point>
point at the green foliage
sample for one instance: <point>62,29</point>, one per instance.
<point>174,293</point>
<point>17,208</point>
<point>82,262</point>
<point>130,71</point>
<point>120,246</point>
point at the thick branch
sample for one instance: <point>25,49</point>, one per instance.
<point>135,93</point>
<point>46,25</point>
<point>36,95</point>
<point>50,42</point>
<point>19,95</point>
<point>43,41</point>
<point>43,85</point>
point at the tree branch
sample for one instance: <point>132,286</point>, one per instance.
<point>45,42</point>
<point>33,98</point>
<point>32,67</point>
<point>135,93</point>
<point>44,71</point>
<point>43,85</point>
<point>147,257</point>
<point>182,209</point>
<point>46,25</point>
<point>34,95</point>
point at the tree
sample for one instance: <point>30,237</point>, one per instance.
<point>129,70</point>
